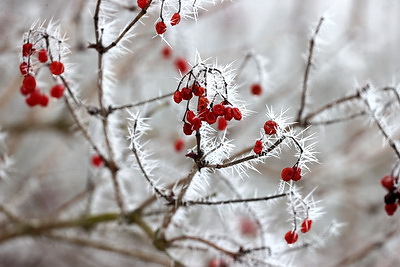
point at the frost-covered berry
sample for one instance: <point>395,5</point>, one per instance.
<point>306,225</point>
<point>291,237</point>
<point>270,127</point>
<point>161,27</point>
<point>175,19</point>
<point>186,93</point>
<point>258,147</point>
<point>237,114</point>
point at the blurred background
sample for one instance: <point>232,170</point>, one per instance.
<point>357,44</point>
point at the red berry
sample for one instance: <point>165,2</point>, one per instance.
<point>198,90</point>
<point>34,98</point>
<point>237,115</point>
<point>291,237</point>
<point>179,145</point>
<point>56,67</point>
<point>296,173</point>
<point>256,89</point>
<point>190,116</point>
<point>166,52</point>
<point>161,27</point>
<point>181,65</point>
<point>228,113</point>
<point>258,147</point>
<point>175,19</point>
<point>96,160</point>
<point>222,124</point>
<point>177,97</point>
<point>187,129</point>
<point>248,227</point>
<point>44,100</point>
<point>388,182</point>
<point>196,124</point>
<point>306,225</point>
<point>57,91</point>
<point>23,68</point>
<point>42,55</point>
<point>390,208</point>
<point>187,93</point>
<point>27,49</point>
<point>270,127</point>
<point>203,103</point>
<point>29,83</point>
<point>24,91</point>
<point>287,174</point>
<point>219,110</point>
<point>142,3</point>
<point>211,118</point>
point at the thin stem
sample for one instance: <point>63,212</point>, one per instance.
<point>112,109</point>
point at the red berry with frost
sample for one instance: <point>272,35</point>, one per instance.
<point>186,93</point>
<point>96,161</point>
<point>270,127</point>
<point>196,124</point>
<point>211,118</point>
<point>175,19</point>
<point>161,27</point>
<point>222,124</point>
<point>198,90</point>
<point>258,147</point>
<point>390,208</point>
<point>256,89</point>
<point>287,174</point>
<point>388,182</point>
<point>179,144</point>
<point>228,113</point>
<point>291,237</point>
<point>42,55</point>
<point>181,65</point>
<point>219,110</point>
<point>237,114</point>
<point>306,225</point>
<point>57,91</point>
<point>142,3</point>
<point>44,100</point>
<point>29,83</point>
<point>56,67</point>
<point>248,227</point>
<point>177,97</point>
<point>27,49</point>
<point>187,129</point>
<point>190,116</point>
<point>296,173</point>
<point>23,68</point>
<point>166,52</point>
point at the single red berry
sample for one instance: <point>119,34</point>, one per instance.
<point>270,127</point>
<point>256,89</point>
<point>27,49</point>
<point>218,263</point>
<point>181,65</point>
<point>187,93</point>
<point>175,19</point>
<point>187,129</point>
<point>24,91</point>
<point>296,173</point>
<point>248,227</point>
<point>42,55</point>
<point>387,182</point>
<point>177,97</point>
<point>57,91</point>
<point>390,208</point>
<point>287,174</point>
<point>219,110</point>
<point>237,115</point>
<point>222,124</point>
<point>202,103</point>
<point>228,113</point>
<point>190,116</point>
<point>161,27</point>
<point>34,98</point>
<point>142,3</point>
<point>258,147</point>
<point>44,100</point>
<point>166,52</point>
<point>211,118</point>
<point>306,225</point>
<point>29,83</point>
<point>23,68</point>
<point>198,90</point>
<point>179,144</point>
<point>196,124</point>
<point>291,237</point>
<point>97,161</point>
<point>56,67</point>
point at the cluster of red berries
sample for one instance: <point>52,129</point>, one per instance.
<point>291,173</point>
<point>292,236</point>
<point>161,27</point>
<point>207,112</point>
<point>28,88</point>
<point>270,128</point>
<point>393,195</point>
